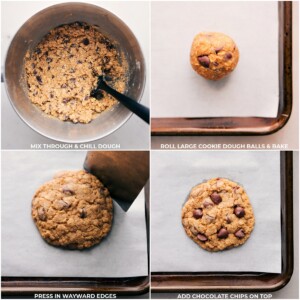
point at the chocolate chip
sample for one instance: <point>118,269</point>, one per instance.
<point>222,234</point>
<point>85,41</point>
<point>51,95</point>
<point>79,62</point>
<point>66,39</point>
<point>73,80</point>
<point>42,214</point>
<point>34,72</point>
<point>39,79</point>
<point>38,51</point>
<point>28,85</point>
<point>107,43</point>
<point>66,100</point>
<point>218,49</point>
<point>216,198</point>
<point>49,59</point>
<point>68,191</point>
<point>197,213</point>
<point>239,211</point>
<point>228,55</point>
<point>82,213</point>
<point>33,65</point>
<point>228,220</point>
<point>201,237</point>
<point>204,61</point>
<point>240,233</point>
<point>63,86</point>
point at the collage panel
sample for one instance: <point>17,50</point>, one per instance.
<point>74,223</point>
<point>222,224</point>
<point>65,66</point>
<point>228,89</point>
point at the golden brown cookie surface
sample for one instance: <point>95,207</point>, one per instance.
<point>213,55</point>
<point>63,69</point>
<point>218,215</point>
<point>73,210</point>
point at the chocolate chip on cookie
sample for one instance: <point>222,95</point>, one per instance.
<point>197,213</point>
<point>204,61</point>
<point>82,213</point>
<point>239,211</point>
<point>216,198</point>
<point>201,237</point>
<point>223,233</point>
<point>240,233</point>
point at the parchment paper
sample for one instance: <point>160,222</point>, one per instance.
<point>251,90</point>
<point>123,253</point>
<point>173,175</point>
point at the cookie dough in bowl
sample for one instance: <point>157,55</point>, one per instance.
<point>218,215</point>
<point>73,210</point>
<point>213,55</point>
<point>64,67</point>
<point>75,41</point>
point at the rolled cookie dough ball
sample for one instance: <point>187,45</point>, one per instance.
<point>213,55</point>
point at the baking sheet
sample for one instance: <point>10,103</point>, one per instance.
<point>123,253</point>
<point>252,90</point>
<point>173,175</point>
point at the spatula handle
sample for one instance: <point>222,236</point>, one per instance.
<point>139,109</point>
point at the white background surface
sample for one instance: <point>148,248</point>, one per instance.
<point>251,90</point>
<point>173,175</point>
<point>16,134</point>
<point>123,253</point>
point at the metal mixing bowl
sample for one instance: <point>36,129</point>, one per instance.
<point>31,33</point>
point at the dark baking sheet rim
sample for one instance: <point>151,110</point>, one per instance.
<point>242,281</point>
<point>244,125</point>
<point>26,286</point>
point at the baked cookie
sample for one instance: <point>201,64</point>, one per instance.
<point>63,69</point>
<point>73,210</point>
<point>218,215</point>
<point>213,55</point>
